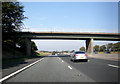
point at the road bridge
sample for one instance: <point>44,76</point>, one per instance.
<point>89,37</point>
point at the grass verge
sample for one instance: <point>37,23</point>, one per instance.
<point>42,53</point>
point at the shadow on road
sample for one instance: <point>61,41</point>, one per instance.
<point>13,62</point>
<point>57,56</point>
<point>80,61</point>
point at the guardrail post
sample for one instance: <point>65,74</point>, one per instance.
<point>28,46</point>
<point>89,46</point>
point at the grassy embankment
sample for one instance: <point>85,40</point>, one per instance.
<point>18,59</point>
<point>11,55</point>
<point>38,53</point>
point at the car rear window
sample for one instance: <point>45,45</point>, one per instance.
<point>79,52</point>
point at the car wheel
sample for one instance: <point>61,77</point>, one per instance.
<point>86,60</point>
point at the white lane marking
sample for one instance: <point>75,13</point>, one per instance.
<point>59,58</point>
<point>113,65</point>
<point>62,61</point>
<point>18,71</point>
<point>69,67</point>
<point>88,60</point>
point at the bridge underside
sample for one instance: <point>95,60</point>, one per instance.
<point>89,46</point>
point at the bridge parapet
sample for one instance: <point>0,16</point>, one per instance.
<point>66,35</point>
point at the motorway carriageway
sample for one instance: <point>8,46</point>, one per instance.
<point>61,69</point>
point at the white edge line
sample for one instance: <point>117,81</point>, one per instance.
<point>16,72</point>
<point>69,67</point>
<point>113,65</point>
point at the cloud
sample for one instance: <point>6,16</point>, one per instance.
<point>37,30</point>
<point>65,16</point>
<point>62,29</point>
<point>43,18</point>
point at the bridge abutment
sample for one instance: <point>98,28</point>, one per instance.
<point>89,46</point>
<point>28,46</point>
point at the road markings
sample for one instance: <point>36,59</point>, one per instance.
<point>113,65</point>
<point>62,61</point>
<point>69,67</point>
<point>18,71</point>
<point>88,60</point>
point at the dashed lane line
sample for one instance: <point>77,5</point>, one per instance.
<point>18,71</point>
<point>58,58</point>
<point>69,67</point>
<point>113,65</point>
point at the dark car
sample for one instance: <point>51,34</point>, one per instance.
<point>95,52</point>
<point>53,53</point>
<point>108,52</point>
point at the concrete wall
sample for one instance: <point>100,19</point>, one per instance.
<point>28,46</point>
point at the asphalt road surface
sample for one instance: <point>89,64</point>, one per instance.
<point>61,69</point>
<point>99,70</point>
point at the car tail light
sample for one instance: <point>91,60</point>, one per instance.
<point>75,55</point>
<point>85,55</point>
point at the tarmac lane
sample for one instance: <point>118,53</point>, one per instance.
<point>51,69</point>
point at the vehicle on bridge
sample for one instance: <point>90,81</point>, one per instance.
<point>108,52</point>
<point>95,52</point>
<point>53,53</point>
<point>79,55</point>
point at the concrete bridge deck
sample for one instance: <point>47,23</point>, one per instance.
<point>89,37</point>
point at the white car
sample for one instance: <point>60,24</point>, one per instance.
<point>79,55</point>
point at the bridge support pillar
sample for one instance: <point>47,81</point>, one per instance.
<point>89,46</point>
<point>28,46</point>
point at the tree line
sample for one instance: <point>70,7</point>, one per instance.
<point>12,21</point>
<point>108,47</point>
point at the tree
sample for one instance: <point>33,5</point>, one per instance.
<point>82,49</point>
<point>22,45</point>
<point>72,51</point>
<point>109,46</point>
<point>102,48</point>
<point>12,16</point>
<point>33,46</point>
<point>96,48</point>
<point>117,46</point>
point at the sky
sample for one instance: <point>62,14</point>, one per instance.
<point>70,17</point>
<point>68,0</point>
